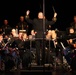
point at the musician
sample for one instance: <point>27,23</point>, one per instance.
<point>6,28</point>
<point>22,25</point>
<point>1,52</point>
<point>13,33</point>
<point>73,24</point>
<point>25,37</point>
<point>38,28</point>
<point>48,35</point>
<point>23,47</point>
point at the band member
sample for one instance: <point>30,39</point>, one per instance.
<point>13,33</point>
<point>6,28</point>
<point>71,31</point>
<point>1,52</point>
<point>22,25</point>
<point>73,24</point>
<point>38,28</point>
<point>25,37</point>
<point>48,35</point>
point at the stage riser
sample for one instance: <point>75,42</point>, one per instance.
<point>40,68</point>
<point>33,72</point>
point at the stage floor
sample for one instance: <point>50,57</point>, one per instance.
<point>39,70</point>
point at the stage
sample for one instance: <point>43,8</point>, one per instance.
<point>46,69</point>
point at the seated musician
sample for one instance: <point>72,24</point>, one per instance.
<point>72,34</point>
<point>23,47</point>
<point>54,35</point>
<point>32,35</point>
<point>48,35</point>
<point>25,37</point>
<point>2,53</point>
<point>14,34</point>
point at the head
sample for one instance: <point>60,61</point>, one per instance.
<point>49,32</point>
<point>21,18</point>
<point>32,32</point>
<point>1,37</point>
<point>40,15</point>
<point>13,32</point>
<point>25,36</point>
<point>54,35</point>
<point>75,19</point>
<point>5,22</point>
<point>71,30</point>
<point>20,35</point>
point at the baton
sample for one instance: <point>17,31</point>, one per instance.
<point>53,9</point>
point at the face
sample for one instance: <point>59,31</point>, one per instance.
<point>21,18</point>
<point>74,18</point>
<point>71,30</point>
<point>20,35</point>
<point>13,31</point>
<point>40,15</point>
<point>1,37</point>
<point>49,32</point>
<point>54,35</point>
<point>25,36</point>
<point>5,22</point>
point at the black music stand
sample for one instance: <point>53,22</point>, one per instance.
<point>31,38</point>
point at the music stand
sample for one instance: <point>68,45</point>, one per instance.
<point>31,38</point>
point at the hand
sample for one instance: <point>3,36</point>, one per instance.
<point>55,14</point>
<point>33,32</point>
<point>27,12</point>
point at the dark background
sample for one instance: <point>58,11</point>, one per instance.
<point>13,9</point>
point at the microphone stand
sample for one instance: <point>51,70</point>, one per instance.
<point>43,43</point>
<point>43,51</point>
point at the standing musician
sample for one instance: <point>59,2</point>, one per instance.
<point>38,29</point>
<point>22,25</point>
<point>6,28</point>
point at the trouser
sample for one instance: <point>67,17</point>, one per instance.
<point>40,51</point>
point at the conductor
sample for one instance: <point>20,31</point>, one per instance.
<point>38,31</point>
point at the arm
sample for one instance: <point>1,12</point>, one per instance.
<point>54,19</point>
<point>27,17</point>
